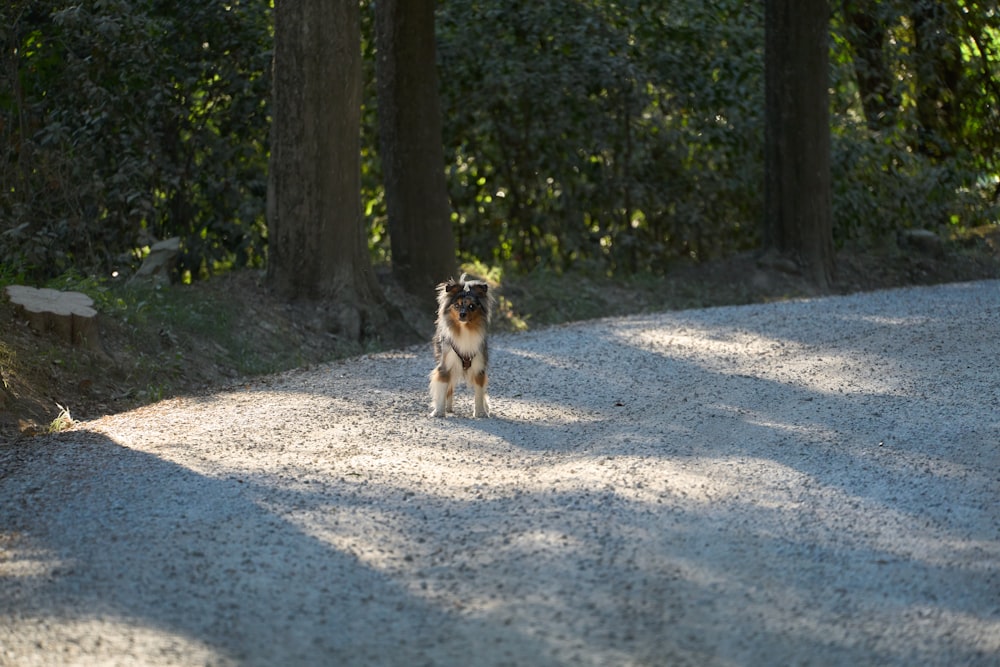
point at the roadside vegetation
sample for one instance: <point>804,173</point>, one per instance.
<point>601,159</point>
<point>229,331</point>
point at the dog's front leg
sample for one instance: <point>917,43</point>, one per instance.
<point>440,390</point>
<point>480,408</point>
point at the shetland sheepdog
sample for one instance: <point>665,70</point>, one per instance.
<point>460,351</point>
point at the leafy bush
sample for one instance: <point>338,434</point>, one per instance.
<point>623,136</point>
<point>916,126</point>
<point>616,137</point>
<point>130,122</point>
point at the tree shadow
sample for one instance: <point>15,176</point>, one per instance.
<point>115,555</point>
<point>870,484</point>
<point>688,488</point>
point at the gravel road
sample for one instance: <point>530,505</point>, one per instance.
<point>801,483</point>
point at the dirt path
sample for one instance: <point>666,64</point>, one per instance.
<point>797,483</point>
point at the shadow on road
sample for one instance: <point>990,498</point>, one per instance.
<point>102,539</point>
<point>714,487</point>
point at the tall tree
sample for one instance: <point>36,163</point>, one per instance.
<point>409,113</point>
<point>797,186</point>
<point>317,246</point>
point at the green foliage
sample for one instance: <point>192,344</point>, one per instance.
<point>615,135</point>
<point>130,122</point>
<point>372,192</point>
<point>623,136</point>
<point>609,137</point>
<point>919,145</point>
<point>881,186</point>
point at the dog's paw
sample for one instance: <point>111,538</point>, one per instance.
<point>481,407</point>
<point>436,413</point>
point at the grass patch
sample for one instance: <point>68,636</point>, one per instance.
<point>62,422</point>
<point>7,359</point>
<point>178,318</point>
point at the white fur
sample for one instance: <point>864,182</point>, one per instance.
<point>469,343</point>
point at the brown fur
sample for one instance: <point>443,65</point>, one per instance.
<point>460,347</point>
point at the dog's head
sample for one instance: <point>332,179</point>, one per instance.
<point>464,302</point>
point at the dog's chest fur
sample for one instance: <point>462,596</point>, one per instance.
<point>458,342</point>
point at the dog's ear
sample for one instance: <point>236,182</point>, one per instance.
<point>452,287</point>
<point>479,289</point>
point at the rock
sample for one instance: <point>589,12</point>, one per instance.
<point>70,315</point>
<point>159,263</point>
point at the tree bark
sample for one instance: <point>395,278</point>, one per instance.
<point>420,231</point>
<point>797,189</point>
<point>317,249</point>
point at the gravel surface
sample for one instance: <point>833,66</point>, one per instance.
<point>799,483</point>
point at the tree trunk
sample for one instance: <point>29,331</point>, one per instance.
<point>797,188</point>
<point>317,249</point>
<point>70,315</point>
<point>409,113</point>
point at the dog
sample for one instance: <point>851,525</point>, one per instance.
<point>465,308</point>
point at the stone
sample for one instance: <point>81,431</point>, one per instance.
<point>159,264</point>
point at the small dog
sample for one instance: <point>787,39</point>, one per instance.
<point>464,311</point>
